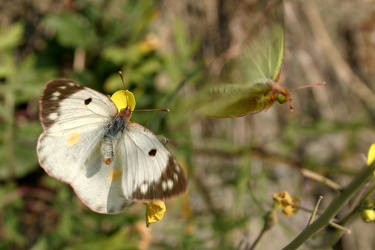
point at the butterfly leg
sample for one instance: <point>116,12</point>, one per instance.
<point>163,139</point>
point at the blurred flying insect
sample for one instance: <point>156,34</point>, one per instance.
<point>262,59</point>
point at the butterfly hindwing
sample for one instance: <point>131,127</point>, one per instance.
<point>63,157</point>
<point>81,165</point>
<point>234,100</point>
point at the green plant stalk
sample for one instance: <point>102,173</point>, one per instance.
<point>9,133</point>
<point>252,247</point>
<point>336,205</point>
<point>332,238</point>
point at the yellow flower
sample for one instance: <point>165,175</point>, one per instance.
<point>122,99</point>
<point>371,156</point>
<point>288,203</point>
<point>154,211</point>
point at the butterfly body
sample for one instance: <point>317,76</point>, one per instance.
<point>114,132</point>
<point>107,159</point>
<point>260,65</point>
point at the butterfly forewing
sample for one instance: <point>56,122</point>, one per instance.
<point>260,65</point>
<point>66,105</point>
<point>151,171</point>
<point>262,57</point>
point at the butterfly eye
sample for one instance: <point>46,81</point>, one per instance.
<point>281,98</point>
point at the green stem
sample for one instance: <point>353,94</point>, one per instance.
<point>333,237</point>
<point>368,193</point>
<point>336,205</point>
<point>252,247</point>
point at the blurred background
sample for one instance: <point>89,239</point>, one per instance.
<point>167,50</point>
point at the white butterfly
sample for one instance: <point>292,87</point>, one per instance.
<point>108,160</point>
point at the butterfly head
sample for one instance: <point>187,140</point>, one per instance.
<point>281,95</point>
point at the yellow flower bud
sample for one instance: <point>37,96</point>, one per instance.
<point>368,215</point>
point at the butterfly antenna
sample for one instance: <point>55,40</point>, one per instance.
<point>309,86</point>
<point>123,84</point>
<point>139,110</point>
<point>151,110</point>
<point>122,79</point>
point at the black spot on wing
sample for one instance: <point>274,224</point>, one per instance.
<point>88,101</point>
<point>54,92</point>
<point>152,152</point>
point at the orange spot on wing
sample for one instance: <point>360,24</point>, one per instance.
<point>115,175</point>
<point>73,138</point>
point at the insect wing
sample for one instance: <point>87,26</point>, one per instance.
<point>74,119</point>
<point>150,171</point>
<point>260,66</point>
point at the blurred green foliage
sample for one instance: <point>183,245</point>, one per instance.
<point>234,165</point>
<point>38,212</point>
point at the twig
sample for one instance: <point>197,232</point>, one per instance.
<point>258,238</point>
<point>320,178</point>
<point>270,219</point>
<point>314,211</point>
<point>340,227</point>
<point>331,223</point>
